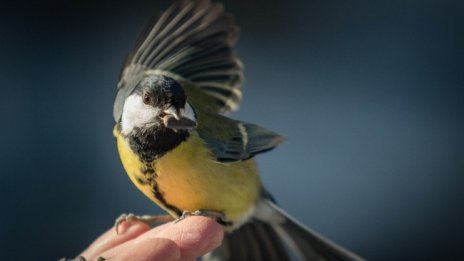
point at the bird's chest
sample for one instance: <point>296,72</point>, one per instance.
<point>188,178</point>
<point>191,179</point>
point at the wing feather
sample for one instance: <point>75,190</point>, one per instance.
<point>193,39</point>
<point>232,140</point>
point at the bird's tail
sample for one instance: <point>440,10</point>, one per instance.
<point>272,234</point>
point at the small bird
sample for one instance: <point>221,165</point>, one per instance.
<point>179,148</point>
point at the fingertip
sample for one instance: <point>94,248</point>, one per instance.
<point>195,235</point>
<point>207,227</point>
<point>151,249</point>
<point>136,227</point>
<point>131,231</point>
<point>111,239</point>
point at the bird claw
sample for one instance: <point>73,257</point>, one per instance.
<point>216,215</point>
<point>147,219</point>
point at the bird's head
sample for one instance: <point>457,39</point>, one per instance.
<point>157,102</point>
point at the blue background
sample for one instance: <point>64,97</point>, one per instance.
<point>370,95</point>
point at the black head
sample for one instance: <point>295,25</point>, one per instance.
<point>161,92</point>
<point>156,116</point>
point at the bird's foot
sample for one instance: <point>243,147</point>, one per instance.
<point>147,219</point>
<point>216,215</point>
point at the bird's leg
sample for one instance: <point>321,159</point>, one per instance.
<point>147,219</point>
<point>216,215</point>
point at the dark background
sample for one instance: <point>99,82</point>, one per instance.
<point>370,95</point>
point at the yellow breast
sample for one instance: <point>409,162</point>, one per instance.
<point>190,179</point>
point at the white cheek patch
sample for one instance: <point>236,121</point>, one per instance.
<point>136,114</point>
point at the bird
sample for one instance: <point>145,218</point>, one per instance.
<point>179,147</point>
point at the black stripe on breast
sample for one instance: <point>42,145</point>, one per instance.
<point>150,179</point>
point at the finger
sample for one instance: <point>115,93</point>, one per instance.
<point>147,249</point>
<point>110,239</point>
<point>195,236</point>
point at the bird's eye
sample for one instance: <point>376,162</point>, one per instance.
<point>146,98</point>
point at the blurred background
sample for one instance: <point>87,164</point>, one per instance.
<point>370,95</point>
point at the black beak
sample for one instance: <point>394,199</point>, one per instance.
<point>178,124</point>
<point>173,120</point>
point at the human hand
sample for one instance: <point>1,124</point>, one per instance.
<point>174,241</point>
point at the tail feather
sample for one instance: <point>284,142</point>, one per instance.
<point>273,235</point>
<point>305,243</point>
<point>254,241</point>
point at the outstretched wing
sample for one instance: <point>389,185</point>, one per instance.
<point>232,140</point>
<point>192,40</point>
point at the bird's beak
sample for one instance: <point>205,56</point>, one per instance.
<point>172,112</point>
<point>173,119</point>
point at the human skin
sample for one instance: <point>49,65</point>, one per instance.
<point>184,240</point>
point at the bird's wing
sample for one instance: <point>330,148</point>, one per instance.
<point>192,40</point>
<point>231,140</point>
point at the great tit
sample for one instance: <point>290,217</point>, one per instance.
<point>178,147</point>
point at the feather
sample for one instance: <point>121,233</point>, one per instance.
<point>231,140</point>
<point>194,40</point>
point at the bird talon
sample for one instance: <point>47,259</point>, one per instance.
<point>216,215</point>
<point>185,214</point>
<point>123,218</point>
<point>147,219</point>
